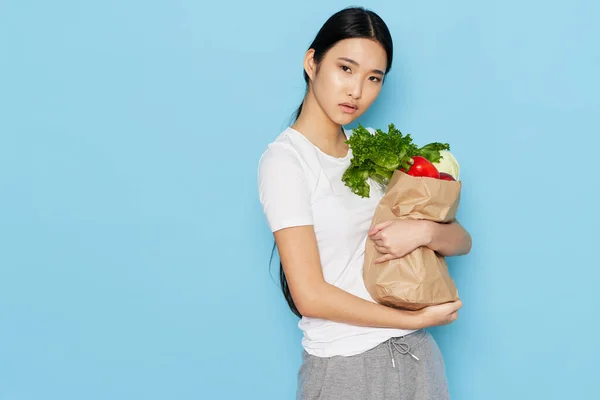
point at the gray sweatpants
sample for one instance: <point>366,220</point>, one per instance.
<point>389,371</point>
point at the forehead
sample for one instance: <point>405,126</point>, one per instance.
<point>370,54</point>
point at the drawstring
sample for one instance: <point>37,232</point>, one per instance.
<point>401,347</point>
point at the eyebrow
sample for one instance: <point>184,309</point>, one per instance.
<point>351,61</point>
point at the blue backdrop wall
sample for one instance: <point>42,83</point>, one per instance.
<point>133,250</point>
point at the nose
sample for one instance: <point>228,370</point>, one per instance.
<point>355,89</point>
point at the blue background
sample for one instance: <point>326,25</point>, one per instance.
<point>133,250</point>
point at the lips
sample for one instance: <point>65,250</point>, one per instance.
<point>348,108</point>
<point>350,105</point>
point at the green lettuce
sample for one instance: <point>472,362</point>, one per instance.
<point>378,155</point>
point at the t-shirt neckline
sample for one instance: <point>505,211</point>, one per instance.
<point>344,158</point>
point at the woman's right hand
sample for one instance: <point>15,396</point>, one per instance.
<point>441,314</point>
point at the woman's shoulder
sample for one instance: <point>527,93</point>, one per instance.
<point>281,153</point>
<point>282,147</point>
<point>291,145</point>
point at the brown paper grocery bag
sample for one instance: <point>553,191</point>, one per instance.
<point>420,278</point>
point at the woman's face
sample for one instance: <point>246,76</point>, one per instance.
<point>351,72</point>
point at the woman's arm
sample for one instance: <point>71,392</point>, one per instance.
<point>449,239</point>
<point>396,238</point>
<point>316,298</point>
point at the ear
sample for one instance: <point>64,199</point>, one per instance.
<point>309,63</point>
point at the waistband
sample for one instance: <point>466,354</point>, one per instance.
<point>401,345</point>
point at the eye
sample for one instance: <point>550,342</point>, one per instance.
<point>375,79</point>
<point>344,67</point>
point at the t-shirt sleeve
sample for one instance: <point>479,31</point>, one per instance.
<point>283,190</point>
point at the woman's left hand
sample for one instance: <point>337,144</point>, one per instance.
<point>396,238</point>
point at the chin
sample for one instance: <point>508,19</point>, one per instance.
<point>343,119</point>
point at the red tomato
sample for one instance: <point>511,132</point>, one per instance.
<point>446,176</point>
<point>422,167</point>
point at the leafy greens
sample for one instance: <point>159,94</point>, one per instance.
<point>378,155</point>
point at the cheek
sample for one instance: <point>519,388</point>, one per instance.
<point>329,91</point>
<point>329,84</point>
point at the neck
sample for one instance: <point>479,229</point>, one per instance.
<point>319,128</point>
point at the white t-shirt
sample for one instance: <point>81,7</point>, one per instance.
<point>301,185</point>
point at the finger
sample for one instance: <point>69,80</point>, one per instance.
<point>378,227</point>
<point>381,235</point>
<point>379,242</point>
<point>454,316</point>
<point>384,258</point>
<point>381,249</point>
<point>377,238</point>
<point>457,304</point>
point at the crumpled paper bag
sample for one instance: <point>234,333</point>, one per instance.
<point>420,278</point>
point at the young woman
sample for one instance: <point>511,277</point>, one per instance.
<point>354,348</point>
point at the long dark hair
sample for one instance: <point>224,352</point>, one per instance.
<point>352,22</point>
